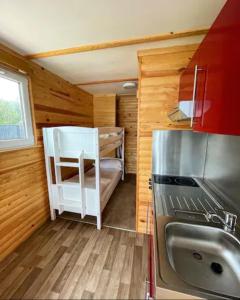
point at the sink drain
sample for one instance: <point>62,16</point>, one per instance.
<point>197,255</point>
<point>216,268</point>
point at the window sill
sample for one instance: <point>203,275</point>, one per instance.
<point>20,148</point>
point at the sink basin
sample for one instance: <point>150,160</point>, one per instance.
<point>204,257</point>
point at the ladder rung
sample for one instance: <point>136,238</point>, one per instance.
<point>70,200</point>
<point>67,164</point>
<point>68,183</point>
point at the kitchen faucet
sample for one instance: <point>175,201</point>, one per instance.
<point>229,221</point>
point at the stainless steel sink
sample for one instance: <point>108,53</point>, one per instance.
<point>204,257</point>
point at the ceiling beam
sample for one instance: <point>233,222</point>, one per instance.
<point>119,43</point>
<point>106,81</point>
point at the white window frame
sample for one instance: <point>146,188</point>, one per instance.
<point>26,112</point>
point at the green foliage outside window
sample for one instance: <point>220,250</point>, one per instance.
<point>9,112</point>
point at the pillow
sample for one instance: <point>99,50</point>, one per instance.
<point>111,163</point>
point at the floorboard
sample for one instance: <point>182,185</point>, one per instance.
<point>121,208</point>
<point>71,260</point>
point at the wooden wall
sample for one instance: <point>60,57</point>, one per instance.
<point>23,189</point>
<point>159,74</point>
<point>104,110</point>
<point>127,118</point>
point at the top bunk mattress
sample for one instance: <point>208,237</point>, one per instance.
<point>107,135</point>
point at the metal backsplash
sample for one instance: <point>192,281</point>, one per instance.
<point>222,168</point>
<point>179,152</point>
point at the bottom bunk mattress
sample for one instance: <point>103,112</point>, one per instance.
<point>110,175</point>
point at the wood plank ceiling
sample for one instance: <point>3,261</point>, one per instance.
<point>73,26</point>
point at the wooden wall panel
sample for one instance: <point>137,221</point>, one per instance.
<point>127,118</point>
<point>159,73</point>
<point>23,189</point>
<point>104,113</point>
<point>104,110</point>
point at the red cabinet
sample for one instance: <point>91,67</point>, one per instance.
<point>217,86</point>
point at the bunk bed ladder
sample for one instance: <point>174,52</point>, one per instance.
<point>60,184</point>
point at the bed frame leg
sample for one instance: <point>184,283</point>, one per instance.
<point>53,214</point>
<point>99,222</point>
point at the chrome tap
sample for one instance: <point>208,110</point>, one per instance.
<point>229,221</point>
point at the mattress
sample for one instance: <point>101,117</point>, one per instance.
<point>108,182</point>
<point>110,170</point>
<point>107,135</point>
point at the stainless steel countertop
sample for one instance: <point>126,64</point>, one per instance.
<point>172,203</point>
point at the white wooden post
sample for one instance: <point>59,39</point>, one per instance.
<point>58,175</point>
<point>49,175</point>
<point>81,183</point>
<point>122,153</point>
<point>97,178</point>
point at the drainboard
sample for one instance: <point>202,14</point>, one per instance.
<point>182,200</point>
<point>191,204</point>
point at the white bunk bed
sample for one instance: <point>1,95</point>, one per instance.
<point>88,192</point>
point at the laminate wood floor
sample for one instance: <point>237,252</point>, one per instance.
<point>121,208</point>
<point>71,260</point>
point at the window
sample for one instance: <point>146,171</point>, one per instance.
<point>15,114</point>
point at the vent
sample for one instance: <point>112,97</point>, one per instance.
<point>129,85</point>
<point>177,115</point>
<point>183,112</point>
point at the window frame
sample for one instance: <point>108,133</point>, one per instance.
<point>25,104</point>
